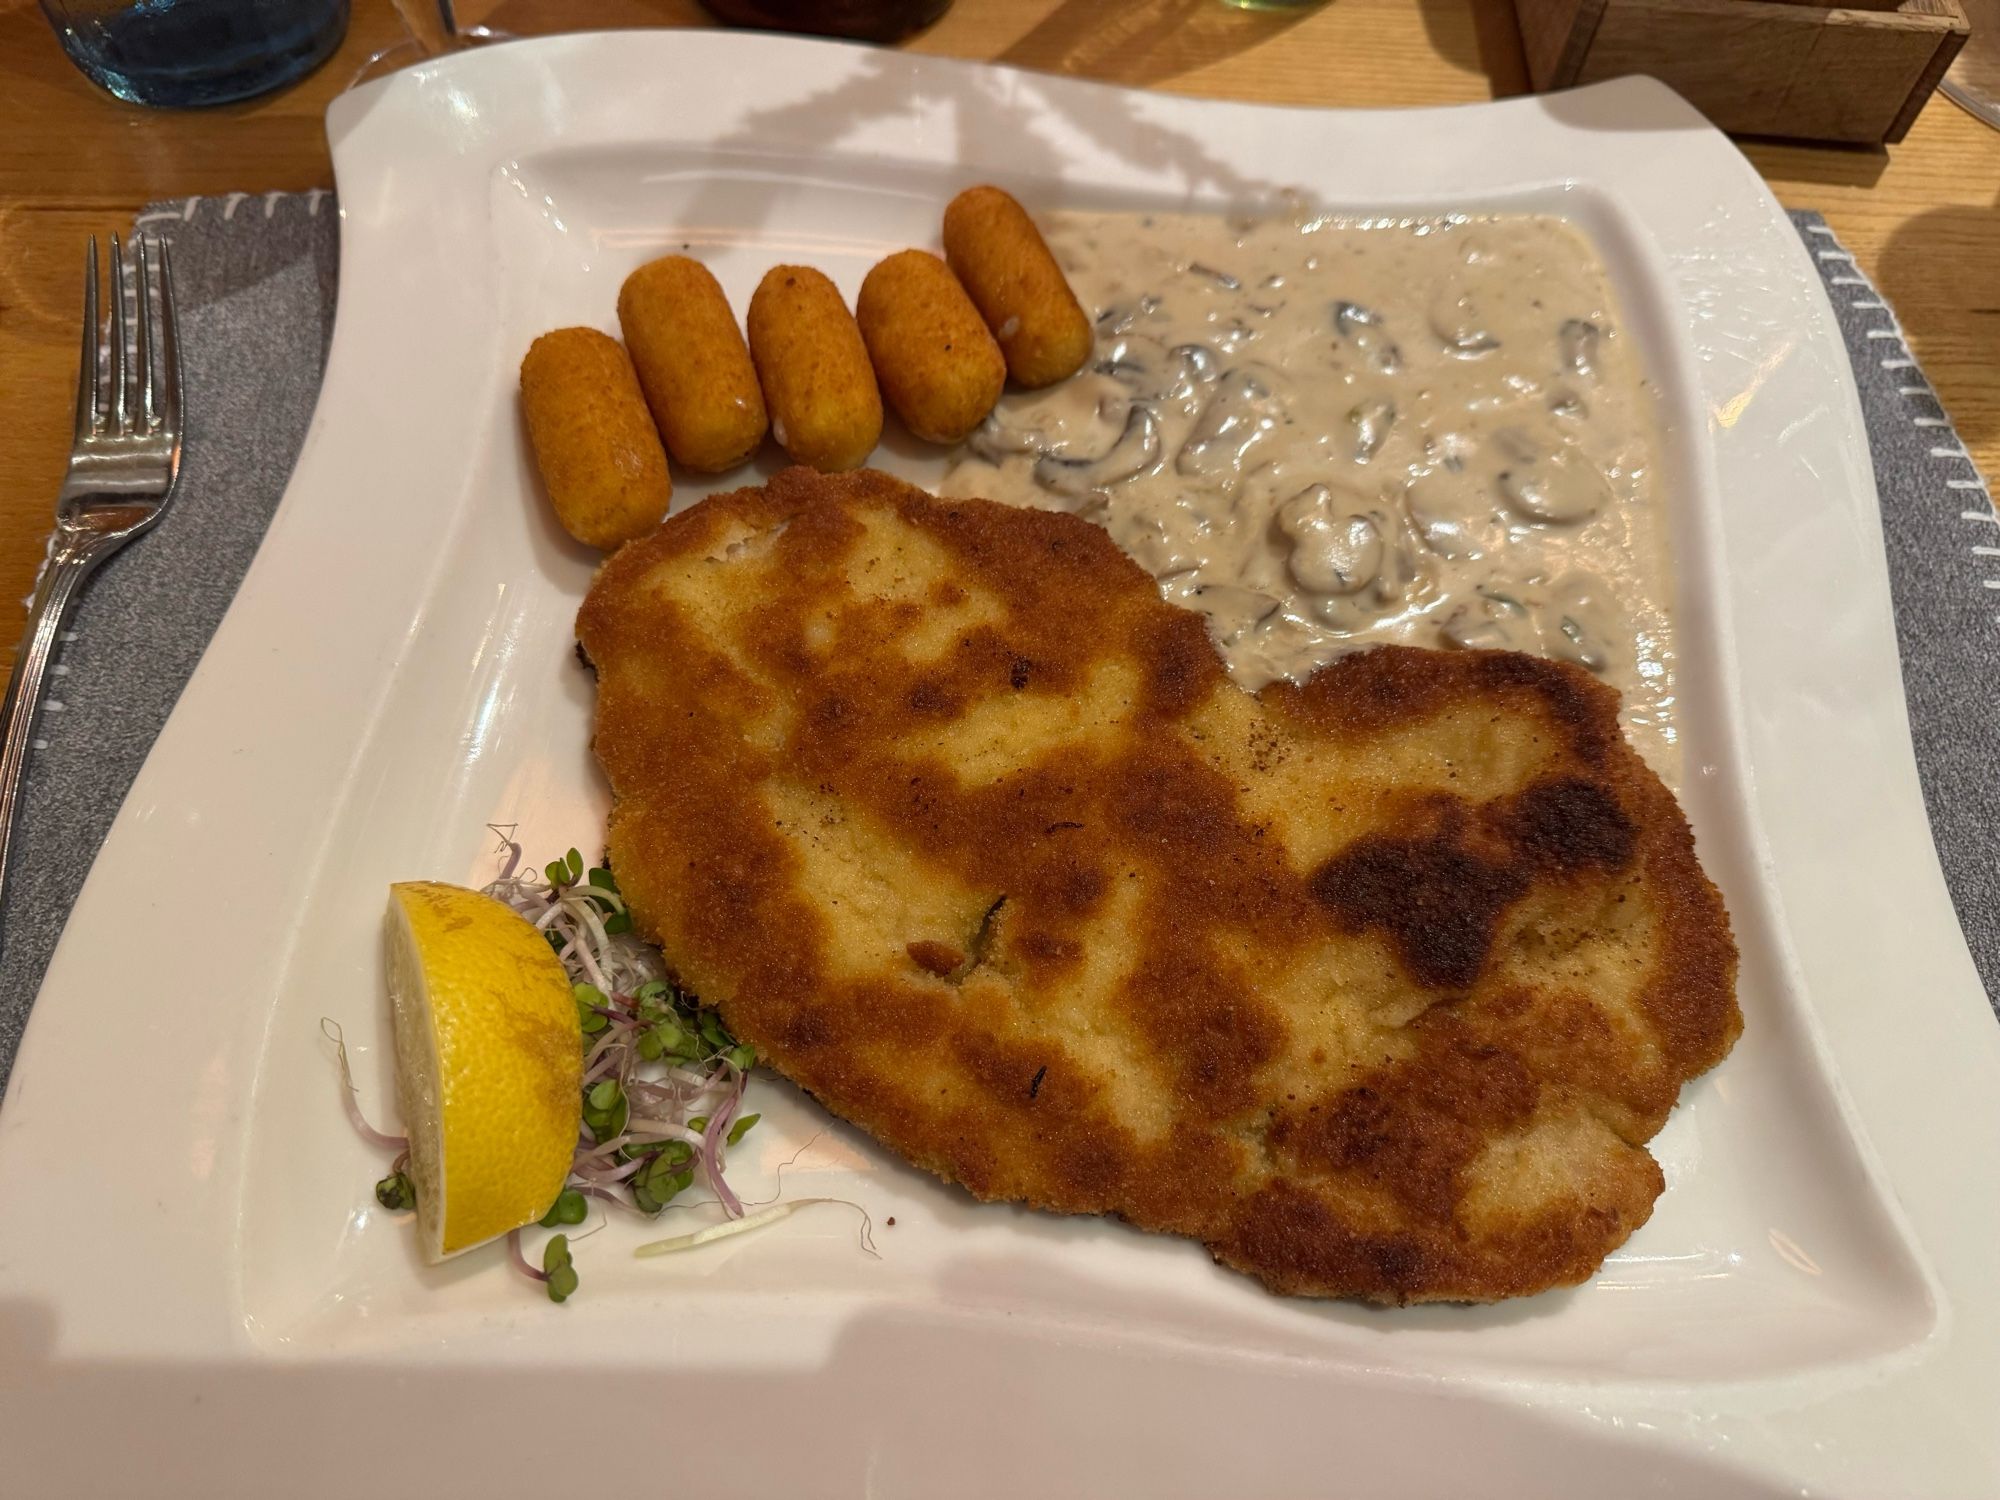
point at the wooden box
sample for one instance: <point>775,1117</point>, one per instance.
<point>1758,67</point>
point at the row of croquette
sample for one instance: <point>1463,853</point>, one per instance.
<point>937,338</point>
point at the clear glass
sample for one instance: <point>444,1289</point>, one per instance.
<point>431,28</point>
<point>193,52</point>
<point>1974,80</point>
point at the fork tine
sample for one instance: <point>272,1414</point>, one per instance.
<point>117,371</point>
<point>170,349</point>
<point>86,370</point>
<point>142,374</point>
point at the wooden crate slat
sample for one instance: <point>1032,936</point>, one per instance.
<point>1757,67</point>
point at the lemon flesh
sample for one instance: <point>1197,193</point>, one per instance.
<point>489,1064</point>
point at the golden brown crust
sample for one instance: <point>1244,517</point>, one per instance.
<point>818,385</point>
<point>693,363</point>
<point>1000,257</point>
<point>937,365</point>
<point>1376,986</point>
<point>595,445</point>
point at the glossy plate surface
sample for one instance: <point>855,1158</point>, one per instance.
<point>1811,1305</point>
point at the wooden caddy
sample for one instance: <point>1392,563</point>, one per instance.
<point>1758,67</point>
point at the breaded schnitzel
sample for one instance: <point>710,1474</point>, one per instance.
<point>1375,986</point>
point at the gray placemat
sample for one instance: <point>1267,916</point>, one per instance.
<point>255,276</point>
<point>254,289</point>
<point>1943,541</point>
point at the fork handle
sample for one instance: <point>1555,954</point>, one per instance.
<point>70,563</point>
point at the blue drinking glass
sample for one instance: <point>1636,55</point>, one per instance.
<point>191,52</point>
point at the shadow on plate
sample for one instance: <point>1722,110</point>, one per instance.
<point>986,107</point>
<point>903,1403</point>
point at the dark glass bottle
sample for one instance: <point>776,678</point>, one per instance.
<point>865,20</point>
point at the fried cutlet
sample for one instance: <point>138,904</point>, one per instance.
<point>1376,986</point>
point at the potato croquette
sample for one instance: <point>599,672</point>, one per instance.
<point>995,250</point>
<point>693,364</point>
<point>938,365</point>
<point>594,442</point>
<point>820,389</point>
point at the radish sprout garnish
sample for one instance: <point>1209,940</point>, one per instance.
<point>520,1257</point>
<point>349,1095</point>
<point>757,1220</point>
<point>396,1192</point>
<point>557,1275</point>
<point>663,1080</point>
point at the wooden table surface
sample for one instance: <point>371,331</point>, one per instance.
<point>1922,217</point>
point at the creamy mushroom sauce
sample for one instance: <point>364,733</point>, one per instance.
<point>1330,433</point>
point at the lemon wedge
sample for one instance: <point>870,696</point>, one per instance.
<point>488,1061</point>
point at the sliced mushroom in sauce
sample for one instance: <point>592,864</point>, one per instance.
<point>1363,329</point>
<point>1454,514</point>
<point>1371,421</point>
<point>1137,450</point>
<point>1555,489</point>
<point>1577,342</point>
<point>1460,323</point>
<point>1334,549</point>
<point>1325,433</point>
<point>1242,413</point>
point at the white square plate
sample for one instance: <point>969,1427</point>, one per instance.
<point>1812,1304</point>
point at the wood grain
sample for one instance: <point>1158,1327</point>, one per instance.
<point>1922,217</point>
<point>1772,68</point>
<point>1845,4</point>
<point>1556,35</point>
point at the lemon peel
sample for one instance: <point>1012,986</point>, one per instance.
<point>489,1063</point>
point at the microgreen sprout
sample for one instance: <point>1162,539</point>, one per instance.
<point>556,1267</point>
<point>590,1007</point>
<point>563,872</point>
<point>606,1109</point>
<point>663,1079</point>
<point>396,1191</point>
<point>656,1183</point>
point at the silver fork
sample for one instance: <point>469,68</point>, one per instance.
<point>122,464</point>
